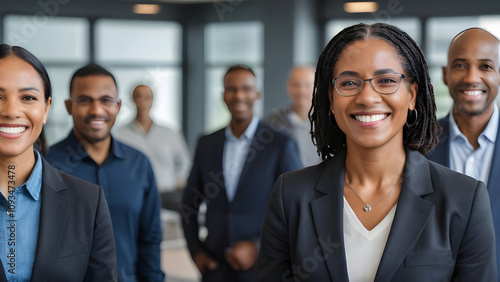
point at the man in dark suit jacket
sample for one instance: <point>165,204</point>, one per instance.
<point>470,140</point>
<point>233,173</point>
<point>442,227</point>
<point>75,237</point>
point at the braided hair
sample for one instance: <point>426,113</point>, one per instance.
<point>422,132</point>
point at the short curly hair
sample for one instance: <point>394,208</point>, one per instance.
<point>421,135</point>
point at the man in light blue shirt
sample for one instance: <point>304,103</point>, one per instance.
<point>470,160</point>
<point>234,171</point>
<point>467,143</point>
<point>235,153</point>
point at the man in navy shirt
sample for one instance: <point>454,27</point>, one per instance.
<point>90,152</point>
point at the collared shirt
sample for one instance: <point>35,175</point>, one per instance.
<point>127,179</point>
<point>20,214</point>
<point>234,156</point>
<point>165,148</point>
<point>464,159</point>
<point>300,131</point>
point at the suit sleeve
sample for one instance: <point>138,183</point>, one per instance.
<point>102,261</point>
<point>190,205</point>
<point>274,263</point>
<point>150,234</point>
<point>290,158</point>
<point>476,258</point>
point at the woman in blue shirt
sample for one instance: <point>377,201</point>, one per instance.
<point>54,227</point>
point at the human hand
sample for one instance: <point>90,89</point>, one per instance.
<point>242,255</point>
<point>204,262</point>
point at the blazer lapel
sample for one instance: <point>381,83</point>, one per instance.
<point>215,164</point>
<point>327,212</point>
<point>441,155</point>
<point>494,177</point>
<point>253,150</point>
<point>412,215</point>
<point>53,215</point>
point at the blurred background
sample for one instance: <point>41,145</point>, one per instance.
<point>181,48</point>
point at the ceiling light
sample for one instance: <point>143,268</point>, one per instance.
<point>361,7</point>
<point>148,9</point>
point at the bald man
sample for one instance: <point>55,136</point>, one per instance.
<point>293,119</point>
<point>165,148</point>
<point>468,143</point>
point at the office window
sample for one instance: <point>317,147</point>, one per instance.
<point>440,32</point>
<point>227,44</point>
<point>142,42</point>
<point>144,52</point>
<point>409,25</point>
<point>62,45</point>
<point>58,40</point>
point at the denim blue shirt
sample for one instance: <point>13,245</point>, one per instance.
<point>464,159</point>
<point>129,186</point>
<point>234,156</point>
<point>20,214</point>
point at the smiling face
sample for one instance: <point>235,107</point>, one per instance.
<point>370,119</point>
<point>23,108</point>
<point>240,94</point>
<point>93,116</point>
<point>472,73</point>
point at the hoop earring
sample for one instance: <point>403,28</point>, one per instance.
<point>415,120</point>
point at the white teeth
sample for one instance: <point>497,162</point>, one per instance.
<point>12,130</point>
<point>371,118</point>
<point>473,93</point>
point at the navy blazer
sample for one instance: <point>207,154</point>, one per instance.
<point>75,237</point>
<point>442,229</point>
<point>270,154</point>
<point>441,155</point>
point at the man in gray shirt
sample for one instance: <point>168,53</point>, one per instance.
<point>293,119</point>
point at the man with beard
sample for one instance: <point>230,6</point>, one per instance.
<point>233,173</point>
<point>467,143</point>
<point>125,174</point>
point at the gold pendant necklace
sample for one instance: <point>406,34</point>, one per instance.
<point>368,207</point>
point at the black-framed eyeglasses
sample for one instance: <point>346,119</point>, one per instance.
<point>387,83</point>
<point>104,101</point>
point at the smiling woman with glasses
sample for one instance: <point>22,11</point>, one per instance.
<point>375,209</point>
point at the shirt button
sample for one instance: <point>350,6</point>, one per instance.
<point>8,212</point>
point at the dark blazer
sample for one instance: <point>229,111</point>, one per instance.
<point>75,237</point>
<point>270,154</point>
<point>442,229</point>
<point>441,155</point>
